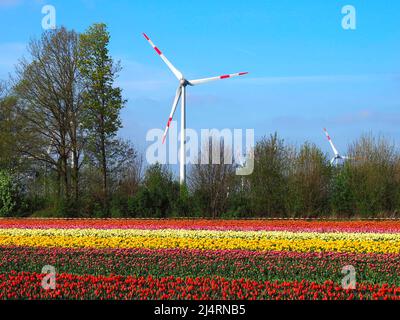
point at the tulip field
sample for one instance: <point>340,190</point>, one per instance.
<point>199,259</point>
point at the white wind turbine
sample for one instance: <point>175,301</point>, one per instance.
<point>181,93</point>
<point>338,157</point>
<point>240,160</point>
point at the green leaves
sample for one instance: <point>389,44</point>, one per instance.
<point>7,194</point>
<point>102,101</point>
<point>342,191</point>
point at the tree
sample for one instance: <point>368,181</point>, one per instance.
<point>102,101</point>
<point>125,166</point>
<point>11,125</point>
<point>7,194</point>
<point>8,156</point>
<point>342,198</point>
<point>309,182</point>
<point>211,182</point>
<point>268,183</point>
<point>158,194</point>
<point>49,90</point>
<point>184,204</point>
<point>397,184</point>
<point>373,174</point>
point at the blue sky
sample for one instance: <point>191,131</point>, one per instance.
<point>306,71</point>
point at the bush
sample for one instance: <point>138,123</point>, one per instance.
<point>32,204</point>
<point>158,195</point>
<point>183,205</point>
<point>239,205</point>
<point>342,199</point>
<point>119,207</point>
<point>67,208</point>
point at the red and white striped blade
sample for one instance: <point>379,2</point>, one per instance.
<point>174,70</point>
<point>331,143</point>
<point>226,76</point>
<point>174,105</point>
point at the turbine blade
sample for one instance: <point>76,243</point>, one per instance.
<point>331,143</point>
<point>226,76</point>
<point>239,158</point>
<point>174,70</point>
<point>174,105</point>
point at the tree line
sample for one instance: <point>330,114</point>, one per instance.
<point>61,154</point>
<point>60,115</point>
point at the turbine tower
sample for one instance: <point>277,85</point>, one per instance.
<point>181,94</point>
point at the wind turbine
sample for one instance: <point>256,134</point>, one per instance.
<point>240,161</point>
<point>181,93</point>
<point>337,158</point>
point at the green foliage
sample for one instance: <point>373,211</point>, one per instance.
<point>239,199</point>
<point>158,194</point>
<point>308,182</point>
<point>7,194</point>
<point>342,199</point>
<point>183,204</point>
<point>67,208</point>
<point>373,175</point>
<point>10,128</point>
<point>102,102</point>
<point>119,206</point>
<point>48,212</point>
<point>268,181</point>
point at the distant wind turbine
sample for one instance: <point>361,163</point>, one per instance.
<point>337,156</point>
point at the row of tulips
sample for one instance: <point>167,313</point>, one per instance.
<point>204,239</point>
<point>28,286</point>
<point>202,224</point>
<point>259,266</point>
